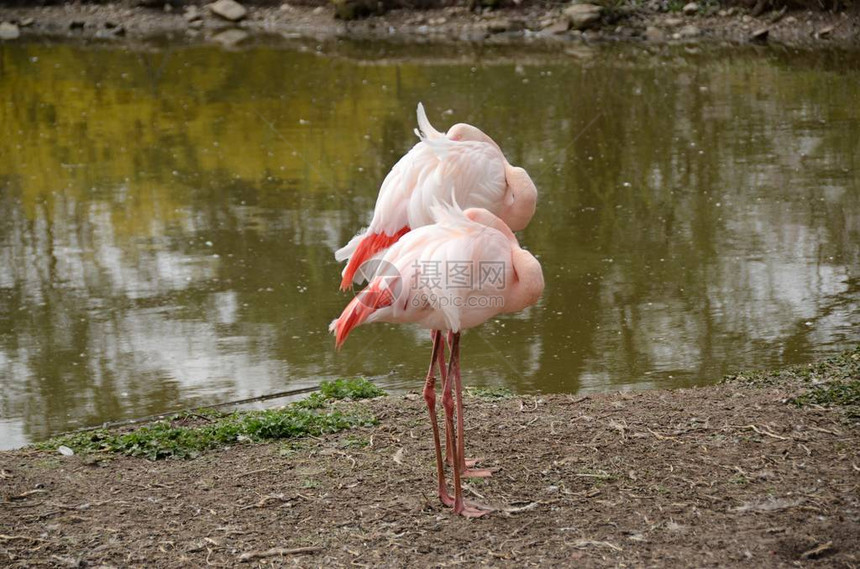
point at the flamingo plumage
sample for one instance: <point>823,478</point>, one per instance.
<point>406,288</point>
<point>463,164</point>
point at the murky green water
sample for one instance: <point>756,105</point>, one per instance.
<point>169,217</point>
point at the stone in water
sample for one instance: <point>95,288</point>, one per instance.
<point>229,10</point>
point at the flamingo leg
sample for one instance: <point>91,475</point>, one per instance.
<point>466,464</point>
<point>443,372</point>
<point>430,399</point>
<point>461,506</point>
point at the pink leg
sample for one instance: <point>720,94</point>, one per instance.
<point>466,464</point>
<point>461,506</point>
<point>430,398</point>
<point>443,371</point>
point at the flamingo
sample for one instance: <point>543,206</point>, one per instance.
<point>463,164</point>
<point>405,289</point>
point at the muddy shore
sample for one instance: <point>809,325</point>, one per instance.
<point>734,475</point>
<point>533,24</point>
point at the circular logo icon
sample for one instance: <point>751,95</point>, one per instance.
<point>385,283</point>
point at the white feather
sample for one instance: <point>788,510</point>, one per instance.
<point>425,130</point>
<point>435,140</point>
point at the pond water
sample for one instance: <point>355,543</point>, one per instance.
<point>169,217</point>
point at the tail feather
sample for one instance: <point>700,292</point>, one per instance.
<point>370,245</point>
<point>359,309</point>
<point>425,130</point>
<point>345,252</point>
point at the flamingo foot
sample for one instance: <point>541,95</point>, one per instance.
<point>477,472</point>
<point>467,508</point>
<point>446,499</point>
<point>466,470</point>
<point>472,510</point>
<point>469,462</point>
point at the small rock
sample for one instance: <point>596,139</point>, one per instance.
<point>580,52</point>
<point>195,24</point>
<point>825,32</point>
<point>228,9</point>
<point>689,32</point>
<point>438,21</point>
<point>168,8</point>
<point>557,27</point>
<point>672,22</point>
<point>318,10</point>
<point>760,35</point>
<point>286,8</point>
<point>112,30</point>
<point>65,451</point>
<point>499,25</point>
<point>624,32</point>
<point>746,19</point>
<point>192,13</point>
<point>231,37</point>
<point>9,31</point>
<point>583,16</point>
<point>723,13</point>
<point>26,22</point>
<point>653,33</point>
<point>791,20</point>
<point>731,11</point>
<point>691,9</point>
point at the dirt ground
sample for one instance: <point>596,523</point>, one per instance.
<point>126,20</point>
<point>725,476</point>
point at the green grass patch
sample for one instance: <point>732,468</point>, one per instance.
<point>170,438</point>
<point>354,389</point>
<point>739,479</point>
<point>490,392</point>
<point>844,394</point>
<point>841,368</point>
<point>315,400</point>
<point>834,381</point>
<point>354,442</point>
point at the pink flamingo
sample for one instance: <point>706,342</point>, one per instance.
<point>406,288</point>
<point>464,163</point>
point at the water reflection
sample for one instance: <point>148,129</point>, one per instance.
<point>169,217</point>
